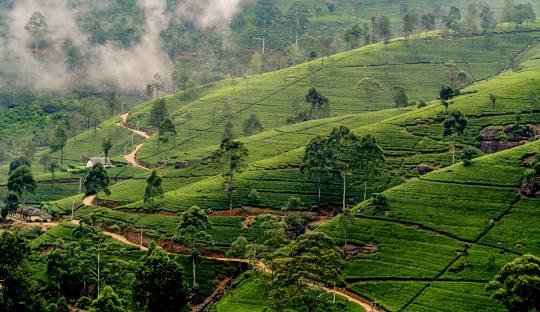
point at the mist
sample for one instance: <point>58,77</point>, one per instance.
<point>109,64</point>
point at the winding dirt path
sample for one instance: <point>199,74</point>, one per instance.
<point>131,158</point>
<point>88,200</point>
<point>123,124</point>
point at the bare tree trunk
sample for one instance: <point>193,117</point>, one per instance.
<point>344,188</point>
<point>230,203</point>
<point>194,269</point>
<point>319,198</point>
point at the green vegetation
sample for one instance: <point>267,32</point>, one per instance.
<point>403,172</point>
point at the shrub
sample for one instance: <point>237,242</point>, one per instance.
<point>467,156</point>
<point>238,247</point>
<point>502,137</point>
<point>422,103</point>
<point>83,303</point>
<point>379,203</point>
<point>530,174</point>
<point>294,203</point>
<point>254,197</point>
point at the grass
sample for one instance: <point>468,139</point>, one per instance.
<point>430,221</point>
<point>248,296</point>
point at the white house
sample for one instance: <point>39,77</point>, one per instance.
<point>105,161</point>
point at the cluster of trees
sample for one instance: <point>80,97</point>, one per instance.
<point>85,268</point>
<point>341,153</point>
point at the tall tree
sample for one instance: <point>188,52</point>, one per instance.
<point>266,15</point>
<point>471,19</point>
<point>518,283</point>
<point>509,12</point>
<point>344,146</point>
<point>317,162</point>
<point>157,84</point>
<point>400,96</point>
<point>22,183</point>
<point>106,145</point>
<point>59,142</point>
<point>428,22</point>
<point>18,162</point>
<point>159,284</point>
<point>194,230</point>
<point>96,180</point>
<point>149,92</point>
<point>297,18</point>
<point>410,22</point>
<point>454,125</point>
<point>38,29</point>
<point>371,156</point>
<point>487,22</point>
<point>153,190</point>
<point>369,85</point>
<point>383,28</point>
<point>232,158</point>
<point>11,204</point>
<point>53,165</point>
<point>453,20</point>
<point>113,102</point>
<point>252,125</point>
<point>320,105</point>
<point>345,221</point>
<point>165,132</point>
<point>158,112</point>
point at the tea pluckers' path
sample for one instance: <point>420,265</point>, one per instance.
<point>132,157</point>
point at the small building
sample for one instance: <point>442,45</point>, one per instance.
<point>105,161</point>
<point>181,164</point>
<point>30,214</point>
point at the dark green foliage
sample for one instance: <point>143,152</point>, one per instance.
<point>107,301</point>
<point>228,130</point>
<point>83,303</point>
<point>166,131</point>
<point>447,93</point>
<point>455,124</point>
<point>317,162</point>
<point>106,145</point>
<point>294,203</point>
<point>238,247</point>
<point>320,106</point>
<point>22,183</point>
<point>232,157</point>
<point>312,257</point>
<point>453,20</point>
<point>159,284</point>
<point>153,189</point>
<point>59,142</point>
<point>18,162</point>
<point>11,204</point>
<point>379,203</point>
<point>17,292</point>
<point>158,112</point>
<point>254,197</point>
<point>468,155</point>
<point>400,96</point>
<point>96,180</point>
<point>518,283</point>
<point>252,125</point>
<point>194,231</point>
